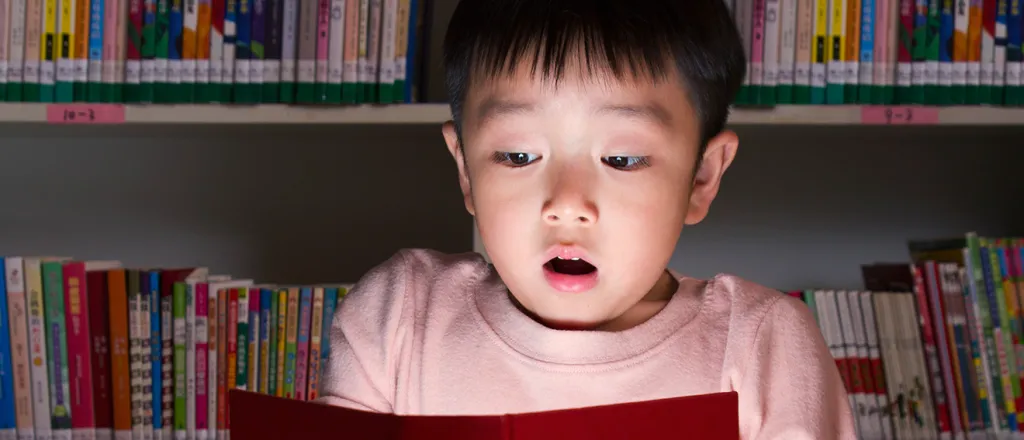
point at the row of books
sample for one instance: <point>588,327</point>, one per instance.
<point>210,51</point>
<point>926,52</point>
<point>96,350</point>
<point>933,347</point>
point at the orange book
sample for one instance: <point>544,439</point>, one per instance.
<point>120,369</point>
<point>705,417</point>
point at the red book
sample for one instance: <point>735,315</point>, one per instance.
<point>706,417</point>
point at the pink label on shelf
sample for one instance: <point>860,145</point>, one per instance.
<point>899,115</point>
<point>85,113</point>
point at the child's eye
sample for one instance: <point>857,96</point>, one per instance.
<point>514,159</point>
<point>626,163</point>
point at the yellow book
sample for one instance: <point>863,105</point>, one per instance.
<point>852,56</point>
<point>282,326</point>
<point>836,52</point>
<point>81,51</point>
<point>819,52</point>
<point>65,75</point>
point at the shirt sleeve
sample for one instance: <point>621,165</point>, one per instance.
<point>791,388</point>
<point>365,333</point>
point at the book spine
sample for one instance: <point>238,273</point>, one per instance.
<point>16,50</point>
<point>204,22</point>
<point>83,9</point>
<point>243,54</point>
<point>179,300</point>
<point>147,75</point>
<point>975,74</point>
<point>988,50</point>
<point>120,367</point>
<point>83,416</point>
<point>14,268</point>
<point>233,362</point>
<point>37,350</point>
<point>4,36</point>
<point>223,304</point>
<point>323,47</point>
<point>264,337</point>
<point>136,285</point>
<point>102,33</point>
<point>175,34</point>
<point>253,340</point>
<point>213,348</point>
<point>97,300</point>
<point>154,394</point>
<point>866,71</point>
<point>167,393</point>
<point>161,79</point>
<point>228,66</point>
<point>133,64</point>
<point>1014,56</point>
<point>933,38</point>
<point>402,52</point>
<point>771,53</point>
<point>947,28</point>
<point>200,425</point>
<point>282,337</point>
<point>851,52</point>
<point>756,51</point>
<point>316,321</point>
<point>272,57</point>
<point>999,57</point>
<point>292,330</point>
<point>242,341</point>
<point>115,92</point>
<point>961,50</point>
<point>64,91</point>
<point>350,63</point>
<point>363,50</point>
<point>50,47</point>
<point>8,416</point>
<point>33,40</point>
<point>837,45</point>
<point>307,51</point>
<point>56,350</point>
<point>373,47</point>
<point>212,93</point>
<point>257,49</point>
<point>788,11</point>
<point>289,49</point>
<point>271,369</point>
<point>189,53</point>
<point>908,71</point>
<point>192,293</point>
<point>920,52</point>
<point>302,342</point>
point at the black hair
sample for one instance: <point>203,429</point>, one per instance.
<point>696,39</point>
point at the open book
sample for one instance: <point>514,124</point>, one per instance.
<point>707,417</point>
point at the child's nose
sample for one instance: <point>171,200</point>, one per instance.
<point>570,203</point>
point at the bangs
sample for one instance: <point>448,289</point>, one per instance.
<point>549,40</point>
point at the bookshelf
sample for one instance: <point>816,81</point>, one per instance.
<point>436,113</point>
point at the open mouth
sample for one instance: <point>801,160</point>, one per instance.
<point>572,266</point>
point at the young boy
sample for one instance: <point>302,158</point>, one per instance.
<point>587,133</point>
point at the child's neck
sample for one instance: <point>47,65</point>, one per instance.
<point>652,303</point>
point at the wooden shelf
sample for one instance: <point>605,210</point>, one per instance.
<point>438,113</point>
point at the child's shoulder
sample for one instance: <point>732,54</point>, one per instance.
<point>747,304</point>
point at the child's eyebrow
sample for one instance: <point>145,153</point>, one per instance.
<point>494,107</point>
<point>651,112</point>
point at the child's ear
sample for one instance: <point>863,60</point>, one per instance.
<point>718,156</point>
<point>451,138</point>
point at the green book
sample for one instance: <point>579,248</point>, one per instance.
<point>161,81</point>
<point>180,292</point>
<point>242,359</point>
<point>933,92</point>
<point>57,344</point>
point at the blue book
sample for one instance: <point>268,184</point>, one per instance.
<point>93,90</point>
<point>1014,55</point>
<point>151,287</point>
<point>7,417</point>
<point>947,25</point>
<point>266,295</point>
<point>330,304</point>
<point>175,34</point>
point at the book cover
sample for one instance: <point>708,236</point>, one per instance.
<point>120,366</point>
<point>707,417</point>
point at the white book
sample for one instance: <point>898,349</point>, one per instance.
<point>16,51</point>
<point>772,29</point>
<point>290,41</point>
<point>336,54</point>
<point>787,43</point>
<point>386,59</point>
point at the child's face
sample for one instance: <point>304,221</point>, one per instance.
<point>594,169</point>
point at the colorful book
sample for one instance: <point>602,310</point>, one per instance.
<point>97,32</point>
<point>323,48</point>
<point>257,49</point>
<point>171,92</point>
<point>243,52</point>
<point>8,416</point>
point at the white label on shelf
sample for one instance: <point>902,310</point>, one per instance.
<point>65,70</point>
<point>133,72</point>
<point>15,73</point>
<point>47,73</point>
<point>202,70</point>
<point>917,73</point>
<point>148,71</point>
<point>271,71</point>
<point>32,72</point>
<point>95,72</point>
<point>174,72</point>
<point>242,71</point>
<point>818,75</point>
<point>256,71</point>
<point>852,70</point>
<point>802,74</point>
<point>307,71</point>
<point>288,71</point>
<point>867,73</point>
<point>984,73</point>
<point>81,70</point>
<point>946,74</point>
<point>160,70</point>
<point>188,71</point>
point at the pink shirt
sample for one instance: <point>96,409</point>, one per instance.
<point>428,333</point>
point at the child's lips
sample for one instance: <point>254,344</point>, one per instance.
<point>568,283</point>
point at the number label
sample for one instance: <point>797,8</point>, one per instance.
<point>85,113</point>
